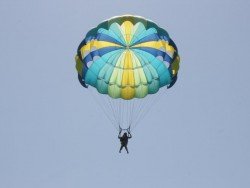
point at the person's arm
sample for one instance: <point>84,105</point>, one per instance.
<point>129,135</point>
<point>119,135</point>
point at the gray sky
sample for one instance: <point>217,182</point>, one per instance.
<point>52,134</point>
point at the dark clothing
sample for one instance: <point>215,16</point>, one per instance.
<point>122,147</point>
<point>124,141</point>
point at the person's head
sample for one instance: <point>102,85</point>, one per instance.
<point>125,135</point>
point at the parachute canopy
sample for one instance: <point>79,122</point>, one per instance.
<point>127,57</point>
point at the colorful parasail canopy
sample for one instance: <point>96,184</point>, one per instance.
<point>127,57</point>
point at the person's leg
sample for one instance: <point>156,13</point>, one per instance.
<point>126,148</point>
<point>121,148</point>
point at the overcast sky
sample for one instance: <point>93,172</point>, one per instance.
<point>52,134</point>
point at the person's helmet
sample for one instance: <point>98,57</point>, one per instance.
<point>125,134</point>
